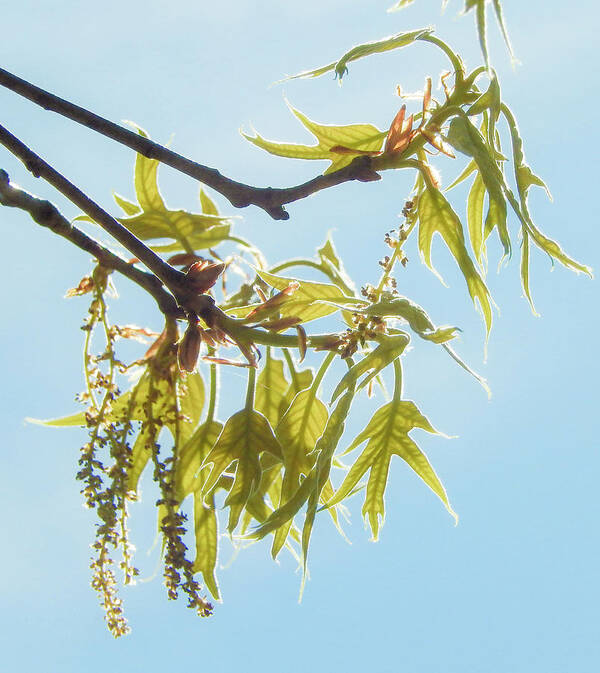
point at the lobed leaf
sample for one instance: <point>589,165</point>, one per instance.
<point>245,435</point>
<point>359,137</point>
<point>145,180</point>
<point>387,350</point>
<point>128,207</point>
<point>415,316</point>
<point>192,455</point>
<point>305,302</point>
<point>206,533</point>
<point>271,387</point>
<point>298,431</point>
<point>437,216</point>
<point>377,47</point>
<point>333,267</point>
<point>387,435</point>
<point>475,203</point>
<point>525,179</point>
<point>189,230</point>
<point>190,402</point>
<point>325,448</point>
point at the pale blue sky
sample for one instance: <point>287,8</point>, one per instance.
<point>514,588</point>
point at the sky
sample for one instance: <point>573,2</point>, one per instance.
<point>514,587</point>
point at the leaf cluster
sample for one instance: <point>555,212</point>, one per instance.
<point>268,469</point>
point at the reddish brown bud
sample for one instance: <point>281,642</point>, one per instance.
<point>184,259</point>
<point>273,304</point>
<point>203,275</point>
<point>188,348</point>
<point>86,284</point>
<point>301,341</point>
<point>280,324</point>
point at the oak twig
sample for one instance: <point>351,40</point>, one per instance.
<point>172,278</point>
<point>185,298</point>
<point>240,195</point>
<point>47,215</point>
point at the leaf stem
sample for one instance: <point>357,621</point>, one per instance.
<point>321,372</point>
<point>454,59</point>
<point>397,380</point>
<point>214,381</point>
<point>250,389</point>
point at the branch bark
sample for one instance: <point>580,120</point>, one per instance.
<point>172,278</point>
<point>47,215</point>
<point>271,200</point>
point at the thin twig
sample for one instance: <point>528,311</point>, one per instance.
<point>47,215</point>
<point>240,195</point>
<point>172,278</point>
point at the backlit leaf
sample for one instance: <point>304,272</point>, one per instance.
<point>480,20</point>
<point>145,181</point>
<point>271,387</point>
<point>191,401</point>
<point>188,229</point>
<point>298,431</point>
<point>301,380</point>
<point>475,216</point>
<point>361,137</point>
<point>122,409</point>
<point>333,267</point>
<point>387,435</point>
<point>525,178</point>
<point>377,47</point>
<point>209,207</point>
<point>304,303</point>
<point>245,435</point>
<point>207,537</point>
<point>400,5</point>
<point>387,350</point>
<point>192,455</point>
<point>437,216</point>
<point>325,448</point>
<point>128,207</point>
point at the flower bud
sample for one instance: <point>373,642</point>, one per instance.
<point>188,348</point>
<point>201,276</point>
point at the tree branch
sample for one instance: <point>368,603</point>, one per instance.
<point>47,215</point>
<point>172,278</point>
<point>271,200</point>
<point>186,298</point>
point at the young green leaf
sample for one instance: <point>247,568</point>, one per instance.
<point>388,434</point>
<point>480,20</point>
<point>361,137</point>
<point>189,230</point>
<point>140,455</point>
<point>298,431</point>
<point>400,5</point>
<point>128,207</point>
<point>437,216</point>
<point>301,380</point>
<point>206,533</point>
<point>325,448</point>
<point>525,179</point>
<point>145,179</point>
<point>209,207</point>
<point>271,387</point>
<point>191,457</point>
<point>332,266</point>
<point>475,217</point>
<point>377,47</point>
<point>121,409</point>
<point>190,401</point>
<point>387,350</point>
<point>306,302</point>
<point>245,435</point>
